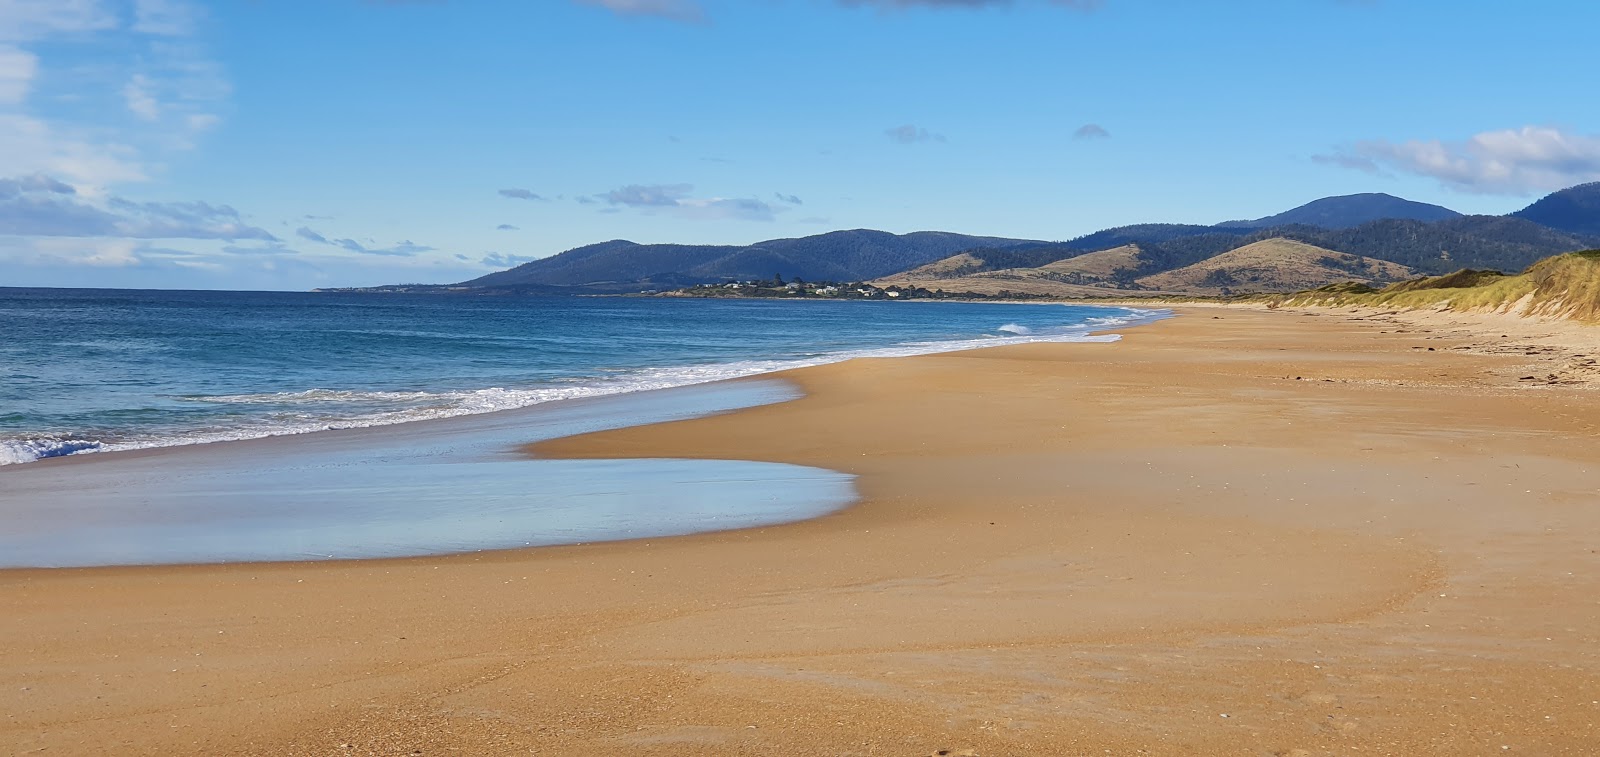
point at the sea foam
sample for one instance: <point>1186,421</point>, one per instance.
<point>325,409</point>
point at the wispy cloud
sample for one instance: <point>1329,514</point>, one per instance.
<point>506,227</point>
<point>791,199</point>
<point>687,11</point>
<point>677,200</point>
<point>690,11</point>
<point>405,248</point>
<point>42,206</point>
<point>18,67</point>
<point>520,194</point>
<point>1080,5</point>
<point>1352,162</point>
<point>1511,161</point>
<point>175,220</point>
<point>501,260</point>
<point>140,101</point>
<point>1091,131</point>
<point>649,195</point>
<point>911,134</point>
<point>149,59</point>
<point>166,18</point>
<point>26,20</point>
<point>259,248</point>
<point>94,253</point>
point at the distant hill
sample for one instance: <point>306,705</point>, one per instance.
<point>1499,242</point>
<point>1347,211</point>
<point>1428,239</point>
<point>856,255</point>
<point>1275,265</point>
<point>1575,210</point>
<point>1142,234</point>
<point>1095,274</point>
<point>1270,265</point>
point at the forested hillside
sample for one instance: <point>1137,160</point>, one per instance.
<point>1426,238</point>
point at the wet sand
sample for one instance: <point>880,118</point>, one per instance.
<point>1234,532</point>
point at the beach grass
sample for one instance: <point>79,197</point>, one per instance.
<point>1562,286</point>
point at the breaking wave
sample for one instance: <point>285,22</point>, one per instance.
<point>324,409</point>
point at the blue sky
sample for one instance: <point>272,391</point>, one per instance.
<point>288,145</point>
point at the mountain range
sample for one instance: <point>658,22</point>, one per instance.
<point>1376,236</point>
<point>620,265</point>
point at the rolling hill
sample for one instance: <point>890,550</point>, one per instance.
<point>1349,211</point>
<point>1269,265</point>
<point>1315,241</point>
<point>620,265</point>
<point>1093,274</point>
<point>1275,265</point>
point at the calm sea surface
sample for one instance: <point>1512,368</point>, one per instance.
<point>90,370</point>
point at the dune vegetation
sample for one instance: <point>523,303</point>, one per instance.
<point>1562,286</point>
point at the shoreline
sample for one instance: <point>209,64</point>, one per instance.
<point>1338,541</point>
<point>1136,317</point>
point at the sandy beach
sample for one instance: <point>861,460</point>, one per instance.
<point>1234,532</point>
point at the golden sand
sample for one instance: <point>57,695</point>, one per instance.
<point>1234,532</point>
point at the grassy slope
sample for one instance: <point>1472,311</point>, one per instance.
<point>954,266</point>
<point>1275,265</point>
<point>1103,264</point>
<point>1563,286</point>
<point>1073,277</point>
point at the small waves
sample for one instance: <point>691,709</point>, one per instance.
<point>311,397</point>
<point>14,451</point>
<point>257,415</point>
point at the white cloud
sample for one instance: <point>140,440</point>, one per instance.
<point>29,145</point>
<point>140,101</point>
<point>727,208</point>
<point>1511,161</point>
<point>168,18</point>
<point>89,252</point>
<point>25,20</point>
<point>17,69</point>
<point>172,89</point>
<point>37,205</point>
<point>199,122</point>
<point>674,198</point>
<point>649,195</point>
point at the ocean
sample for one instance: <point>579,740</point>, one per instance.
<point>86,371</point>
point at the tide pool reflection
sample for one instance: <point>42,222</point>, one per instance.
<point>423,488</point>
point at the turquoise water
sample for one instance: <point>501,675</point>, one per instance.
<point>92,370</point>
